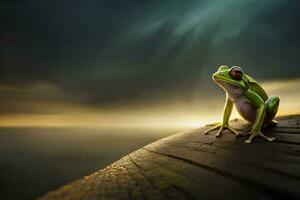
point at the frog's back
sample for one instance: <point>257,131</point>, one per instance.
<point>255,87</point>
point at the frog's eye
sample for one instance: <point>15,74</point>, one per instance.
<point>236,72</point>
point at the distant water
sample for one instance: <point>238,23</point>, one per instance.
<point>34,161</point>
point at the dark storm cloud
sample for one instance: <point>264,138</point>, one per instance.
<point>115,51</point>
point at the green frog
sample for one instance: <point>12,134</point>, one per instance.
<point>250,100</point>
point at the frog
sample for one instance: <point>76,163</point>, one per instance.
<point>250,100</point>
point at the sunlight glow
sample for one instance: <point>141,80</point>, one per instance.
<point>164,116</point>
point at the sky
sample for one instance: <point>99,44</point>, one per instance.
<point>140,62</point>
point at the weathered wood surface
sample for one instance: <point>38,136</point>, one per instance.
<point>192,165</point>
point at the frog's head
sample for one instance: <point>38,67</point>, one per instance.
<point>233,76</point>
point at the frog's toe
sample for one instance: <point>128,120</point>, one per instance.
<point>271,139</point>
<point>252,135</point>
<point>220,131</point>
<point>218,135</point>
<point>232,130</point>
<point>212,129</point>
<point>248,141</point>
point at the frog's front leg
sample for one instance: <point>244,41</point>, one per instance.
<point>226,115</point>
<point>260,117</point>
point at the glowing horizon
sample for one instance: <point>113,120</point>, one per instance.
<point>176,115</point>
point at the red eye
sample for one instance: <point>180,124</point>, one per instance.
<point>236,73</point>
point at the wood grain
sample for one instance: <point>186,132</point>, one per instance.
<point>192,165</point>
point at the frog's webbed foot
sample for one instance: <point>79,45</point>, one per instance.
<point>213,128</point>
<point>221,129</point>
<point>254,133</point>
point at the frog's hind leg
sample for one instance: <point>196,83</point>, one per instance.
<point>272,108</point>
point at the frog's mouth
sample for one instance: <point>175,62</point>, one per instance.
<point>226,84</point>
<point>221,81</point>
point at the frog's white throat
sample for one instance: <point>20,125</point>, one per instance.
<point>234,91</point>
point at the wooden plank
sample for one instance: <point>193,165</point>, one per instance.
<point>249,168</point>
<point>192,165</point>
<point>197,181</point>
<point>273,154</point>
